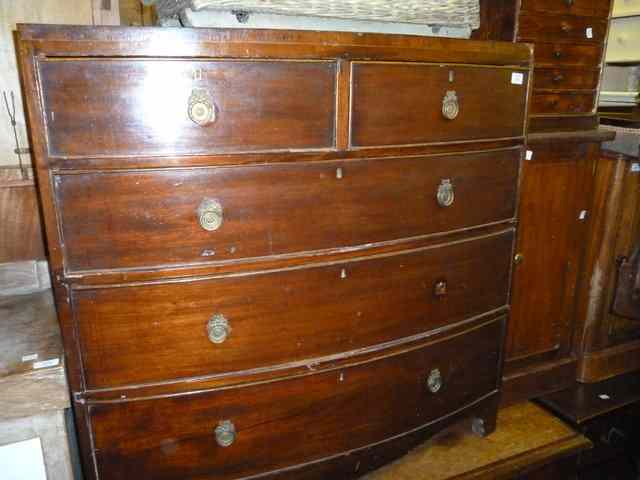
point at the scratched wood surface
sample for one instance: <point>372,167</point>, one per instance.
<point>21,235</point>
<point>526,438</point>
<point>29,334</point>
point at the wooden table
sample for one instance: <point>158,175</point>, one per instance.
<point>529,442</point>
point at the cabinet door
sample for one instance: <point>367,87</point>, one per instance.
<point>554,202</point>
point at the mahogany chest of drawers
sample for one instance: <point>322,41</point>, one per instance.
<point>275,254</point>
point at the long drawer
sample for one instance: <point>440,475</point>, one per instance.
<point>165,331</point>
<point>400,104</point>
<point>566,78</point>
<point>570,102</point>
<point>561,28</point>
<point>245,431</point>
<point>598,8</point>
<point>179,216</point>
<point>132,107</point>
<point>564,54</point>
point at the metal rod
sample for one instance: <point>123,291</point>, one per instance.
<point>11,111</point>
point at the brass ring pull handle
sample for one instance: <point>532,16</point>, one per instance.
<point>450,105</point>
<point>225,433</point>
<point>558,78</point>
<point>434,381</point>
<point>201,109</point>
<point>445,194</point>
<point>565,27</point>
<point>557,53</point>
<point>218,328</point>
<point>440,288</point>
<point>210,214</point>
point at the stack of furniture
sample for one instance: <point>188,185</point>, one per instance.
<point>556,192</point>
<point>275,254</point>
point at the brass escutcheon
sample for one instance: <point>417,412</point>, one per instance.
<point>450,106</point>
<point>201,109</point>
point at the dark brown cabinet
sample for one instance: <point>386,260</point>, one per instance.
<point>554,207</point>
<point>276,254</point>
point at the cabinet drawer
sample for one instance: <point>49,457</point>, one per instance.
<point>624,40</point>
<point>565,79</point>
<point>117,107</point>
<point>267,319</point>
<point>598,8</point>
<point>561,28</point>
<point>400,104</point>
<point>281,424</point>
<point>548,103</point>
<point>563,54</point>
<point>141,218</point>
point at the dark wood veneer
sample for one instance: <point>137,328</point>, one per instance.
<point>562,103</point>
<point>283,424</point>
<point>133,107</point>
<point>565,78</point>
<point>399,104</point>
<point>598,8</point>
<point>561,28</point>
<point>127,219</point>
<point>286,316</point>
<point>564,54</point>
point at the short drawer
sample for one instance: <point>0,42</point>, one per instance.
<point>400,104</point>
<point>599,8</point>
<point>289,422</point>
<point>233,324</point>
<point>186,216</point>
<point>561,28</point>
<point>552,103</point>
<point>565,79</point>
<point>118,107</point>
<point>563,54</point>
<point>624,40</point>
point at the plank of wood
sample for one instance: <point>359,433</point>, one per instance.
<point>21,236</point>
<point>29,332</point>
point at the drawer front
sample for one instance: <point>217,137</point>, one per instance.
<point>550,103</point>
<point>624,40</point>
<point>116,107</point>
<point>565,79</point>
<point>139,219</point>
<point>274,318</point>
<point>562,54</point>
<point>285,423</point>
<point>561,28</point>
<point>400,104</point>
<point>598,8</point>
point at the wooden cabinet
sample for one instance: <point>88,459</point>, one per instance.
<point>276,254</point>
<point>610,343</point>
<point>554,207</point>
<point>556,199</point>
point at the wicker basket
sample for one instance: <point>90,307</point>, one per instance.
<point>429,12</point>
